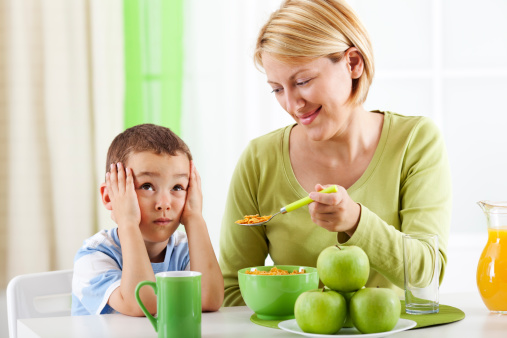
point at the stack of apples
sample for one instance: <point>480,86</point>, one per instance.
<point>344,301</point>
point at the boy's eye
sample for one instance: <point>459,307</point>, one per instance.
<point>146,186</point>
<point>178,187</point>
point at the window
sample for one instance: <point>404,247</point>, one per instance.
<point>153,62</point>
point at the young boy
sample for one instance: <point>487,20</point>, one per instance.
<point>151,187</point>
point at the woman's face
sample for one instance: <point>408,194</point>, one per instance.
<point>315,93</point>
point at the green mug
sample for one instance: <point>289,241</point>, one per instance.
<point>178,304</point>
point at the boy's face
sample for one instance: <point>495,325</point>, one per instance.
<point>161,183</point>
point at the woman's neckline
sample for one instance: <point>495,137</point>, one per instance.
<point>364,177</point>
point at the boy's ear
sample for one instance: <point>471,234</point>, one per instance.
<point>105,197</point>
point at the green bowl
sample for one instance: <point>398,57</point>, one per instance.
<point>272,297</point>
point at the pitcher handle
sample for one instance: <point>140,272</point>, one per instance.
<point>152,319</point>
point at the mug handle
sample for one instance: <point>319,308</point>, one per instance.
<point>148,315</point>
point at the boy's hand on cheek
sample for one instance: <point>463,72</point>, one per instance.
<point>122,193</point>
<point>193,203</point>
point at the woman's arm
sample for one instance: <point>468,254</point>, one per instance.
<point>413,193</point>
<point>241,246</point>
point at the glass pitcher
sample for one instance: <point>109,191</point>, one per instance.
<point>492,267</point>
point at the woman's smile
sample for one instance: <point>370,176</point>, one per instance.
<point>308,118</point>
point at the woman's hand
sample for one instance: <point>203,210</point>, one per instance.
<point>335,212</point>
<point>122,193</point>
<point>193,203</point>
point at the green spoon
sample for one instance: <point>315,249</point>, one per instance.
<point>293,206</point>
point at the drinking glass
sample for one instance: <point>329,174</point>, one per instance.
<point>422,272</point>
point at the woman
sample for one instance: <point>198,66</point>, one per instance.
<point>392,170</point>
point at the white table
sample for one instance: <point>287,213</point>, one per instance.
<point>235,322</point>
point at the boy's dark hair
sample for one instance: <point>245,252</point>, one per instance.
<point>145,137</point>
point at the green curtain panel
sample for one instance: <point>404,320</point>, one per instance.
<point>153,62</point>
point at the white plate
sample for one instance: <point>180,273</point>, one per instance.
<point>292,326</point>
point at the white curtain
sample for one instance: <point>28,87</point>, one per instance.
<point>62,103</point>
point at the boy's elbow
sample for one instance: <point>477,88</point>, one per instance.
<point>134,310</point>
<point>211,307</point>
<point>136,313</point>
<point>211,304</point>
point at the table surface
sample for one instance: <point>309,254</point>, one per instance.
<point>235,322</point>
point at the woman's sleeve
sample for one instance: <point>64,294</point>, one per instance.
<point>241,246</point>
<point>424,207</point>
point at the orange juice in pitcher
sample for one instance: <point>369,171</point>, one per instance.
<point>492,267</point>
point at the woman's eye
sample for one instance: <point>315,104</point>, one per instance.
<point>146,186</point>
<point>178,187</point>
<point>276,90</point>
<point>302,83</point>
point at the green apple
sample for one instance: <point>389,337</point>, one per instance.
<point>348,319</point>
<point>375,310</point>
<point>343,268</point>
<point>320,311</point>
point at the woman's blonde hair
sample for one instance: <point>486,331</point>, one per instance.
<point>302,30</point>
